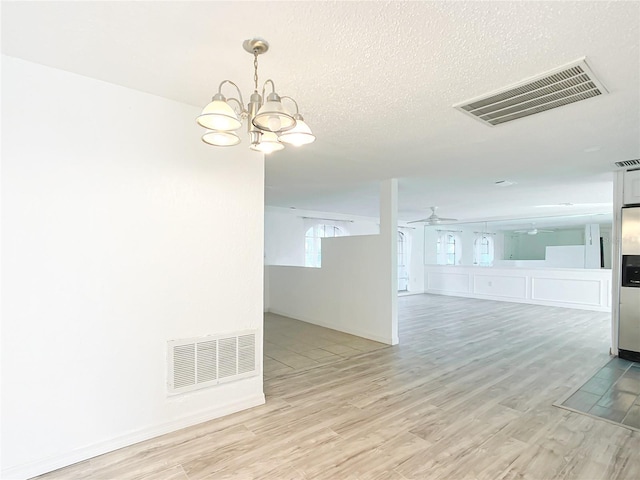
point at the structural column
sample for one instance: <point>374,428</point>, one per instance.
<point>389,258</point>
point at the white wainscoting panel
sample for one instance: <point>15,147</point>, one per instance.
<point>501,286</point>
<point>587,289</point>
<point>581,292</point>
<point>448,281</point>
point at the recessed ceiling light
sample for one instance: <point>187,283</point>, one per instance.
<point>595,148</point>
<point>504,183</point>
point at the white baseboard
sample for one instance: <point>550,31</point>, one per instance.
<point>406,293</point>
<point>25,471</point>
<point>340,328</point>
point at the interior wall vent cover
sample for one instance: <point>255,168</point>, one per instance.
<point>195,363</point>
<point>570,83</point>
<point>628,163</point>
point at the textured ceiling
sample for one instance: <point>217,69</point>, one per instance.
<point>376,81</point>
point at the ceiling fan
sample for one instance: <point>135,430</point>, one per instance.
<point>434,219</point>
<point>533,230</point>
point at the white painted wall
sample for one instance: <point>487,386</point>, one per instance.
<point>566,256</point>
<point>353,291</point>
<point>571,288</point>
<point>416,260</point>
<point>283,237</point>
<point>285,230</point>
<point>430,241</point>
<point>499,246</point>
<point>121,230</point>
<point>347,294</point>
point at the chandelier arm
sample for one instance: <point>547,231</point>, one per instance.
<point>294,102</point>
<point>273,87</point>
<point>238,89</point>
<point>242,110</point>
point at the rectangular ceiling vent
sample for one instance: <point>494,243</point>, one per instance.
<point>195,363</point>
<point>564,85</point>
<point>628,163</point>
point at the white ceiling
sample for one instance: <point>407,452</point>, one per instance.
<point>376,81</point>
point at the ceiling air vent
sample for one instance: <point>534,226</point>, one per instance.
<point>628,163</point>
<point>564,85</point>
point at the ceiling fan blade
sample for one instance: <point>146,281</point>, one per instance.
<point>434,219</point>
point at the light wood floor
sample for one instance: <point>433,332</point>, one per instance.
<point>293,346</point>
<point>466,395</point>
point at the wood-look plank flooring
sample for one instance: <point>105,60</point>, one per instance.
<point>466,395</point>
<point>293,346</point>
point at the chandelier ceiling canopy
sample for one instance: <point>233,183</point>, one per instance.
<point>270,125</point>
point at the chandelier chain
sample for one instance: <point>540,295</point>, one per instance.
<point>255,69</point>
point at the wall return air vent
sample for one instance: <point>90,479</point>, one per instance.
<point>195,363</point>
<point>564,85</point>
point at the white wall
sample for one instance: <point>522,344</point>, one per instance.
<point>566,256</point>
<point>430,241</point>
<point>355,289</point>
<point>416,260</point>
<point>347,294</point>
<point>283,237</point>
<point>284,231</point>
<point>121,230</point>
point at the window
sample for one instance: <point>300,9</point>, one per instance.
<point>448,249</point>
<point>483,251</point>
<point>312,243</point>
<point>403,272</point>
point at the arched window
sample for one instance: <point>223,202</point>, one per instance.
<point>483,250</point>
<point>312,243</point>
<point>448,249</point>
<point>403,271</point>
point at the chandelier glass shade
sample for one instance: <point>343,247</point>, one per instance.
<point>272,116</point>
<point>221,138</point>
<point>269,124</point>
<point>268,143</point>
<point>298,135</point>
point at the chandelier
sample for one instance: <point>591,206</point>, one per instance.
<point>269,124</point>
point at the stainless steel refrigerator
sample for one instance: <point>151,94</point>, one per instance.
<point>629,331</point>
